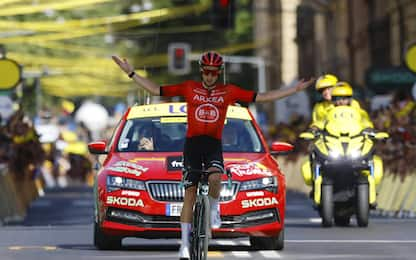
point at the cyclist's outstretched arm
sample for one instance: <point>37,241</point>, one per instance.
<point>281,93</point>
<point>145,83</point>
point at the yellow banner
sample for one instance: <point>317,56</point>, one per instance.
<point>179,109</point>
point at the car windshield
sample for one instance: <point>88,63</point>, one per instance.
<point>167,134</point>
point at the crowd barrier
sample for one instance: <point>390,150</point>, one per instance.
<point>15,196</point>
<point>396,195</point>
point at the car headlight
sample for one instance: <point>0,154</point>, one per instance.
<point>117,182</point>
<point>266,183</point>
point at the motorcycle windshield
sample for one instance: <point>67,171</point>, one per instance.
<point>343,120</point>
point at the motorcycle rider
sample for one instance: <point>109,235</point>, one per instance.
<point>323,85</point>
<point>334,93</point>
<point>342,96</point>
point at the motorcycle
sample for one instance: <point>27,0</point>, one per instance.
<point>342,168</point>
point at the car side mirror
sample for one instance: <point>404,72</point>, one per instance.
<point>281,148</point>
<point>97,147</point>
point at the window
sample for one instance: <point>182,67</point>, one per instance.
<point>168,135</point>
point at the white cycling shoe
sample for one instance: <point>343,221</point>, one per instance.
<point>215,218</point>
<point>184,253</point>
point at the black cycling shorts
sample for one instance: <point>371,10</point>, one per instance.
<point>201,152</point>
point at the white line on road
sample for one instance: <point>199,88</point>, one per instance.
<point>372,220</point>
<point>354,241</point>
<point>224,242</point>
<point>270,254</point>
<point>167,256</point>
<point>241,254</point>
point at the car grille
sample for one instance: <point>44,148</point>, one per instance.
<point>173,192</point>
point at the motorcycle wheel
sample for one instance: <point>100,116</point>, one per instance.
<point>362,206</point>
<point>327,205</point>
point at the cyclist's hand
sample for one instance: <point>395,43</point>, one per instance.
<point>123,64</point>
<point>302,84</point>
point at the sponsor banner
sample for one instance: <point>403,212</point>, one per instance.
<point>179,110</point>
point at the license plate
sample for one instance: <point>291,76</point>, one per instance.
<point>173,209</point>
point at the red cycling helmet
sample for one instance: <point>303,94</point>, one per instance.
<point>211,58</point>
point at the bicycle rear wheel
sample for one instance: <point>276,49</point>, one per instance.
<point>200,229</point>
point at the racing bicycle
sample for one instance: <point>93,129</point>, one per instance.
<point>201,228</point>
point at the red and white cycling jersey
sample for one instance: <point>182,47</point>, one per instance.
<point>206,109</point>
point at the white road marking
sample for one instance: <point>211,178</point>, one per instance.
<point>47,248</point>
<point>354,241</point>
<point>372,220</point>
<point>241,254</point>
<point>270,254</point>
<point>118,256</point>
<point>224,242</point>
<point>315,220</point>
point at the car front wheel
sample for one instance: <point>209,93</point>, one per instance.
<point>268,243</point>
<point>103,241</point>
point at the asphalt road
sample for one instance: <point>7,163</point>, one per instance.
<point>59,226</point>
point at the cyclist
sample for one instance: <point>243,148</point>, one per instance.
<point>207,103</point>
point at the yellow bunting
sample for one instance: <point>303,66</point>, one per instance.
<point>133,19</point>
<point>6,2</point>
<point>59,5</point>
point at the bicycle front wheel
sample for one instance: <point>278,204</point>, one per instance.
<point>200,229</point>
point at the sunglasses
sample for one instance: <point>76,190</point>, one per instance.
<point>212,72</point>
<point>340,98</point>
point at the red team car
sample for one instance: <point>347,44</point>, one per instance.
<point>138,191</point>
